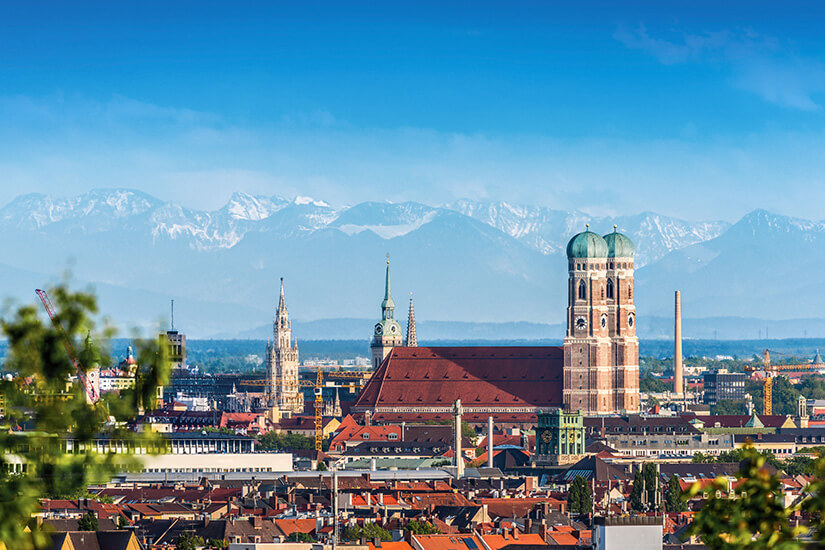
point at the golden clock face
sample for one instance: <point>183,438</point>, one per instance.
<point>571,437</point>
<point>546,436</point>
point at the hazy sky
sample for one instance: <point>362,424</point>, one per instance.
<point>695,109</point>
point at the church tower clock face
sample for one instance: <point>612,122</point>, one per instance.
<point>379,329</point>
<point>630,320</point>
<point>581,323</point>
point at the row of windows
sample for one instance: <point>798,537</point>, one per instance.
<point>609,265</point>
<point>608,292</point>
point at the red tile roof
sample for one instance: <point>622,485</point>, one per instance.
<point>500,541</point>
<point>479,376</point>
<point>449,542</point>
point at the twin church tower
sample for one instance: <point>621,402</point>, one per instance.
<point>601,350</point>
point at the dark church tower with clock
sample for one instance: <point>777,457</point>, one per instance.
<point>600,347</point>
<point>387,332</point>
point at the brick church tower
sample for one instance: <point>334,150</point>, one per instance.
<point>622,321</point>
<point>601,352</point>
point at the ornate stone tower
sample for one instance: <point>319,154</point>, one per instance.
<point>412,338</point>
<point>282,391</point>
<point>387,333</point>
<point>622,321</point>
<point>588,371</point>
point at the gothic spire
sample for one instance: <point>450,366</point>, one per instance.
<point>412,339</point>
<point>387,306</point>
<point>282,301</point>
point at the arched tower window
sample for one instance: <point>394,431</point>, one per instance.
<point>582,290</point>
<point>610,288</point>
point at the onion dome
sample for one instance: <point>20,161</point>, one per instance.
<point>619,246</point>
<point>587,245</point>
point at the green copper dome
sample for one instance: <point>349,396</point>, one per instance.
<point>587,245</point>
<point>619,246</point>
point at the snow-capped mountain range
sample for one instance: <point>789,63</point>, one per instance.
<point>544,229</point>
<point>466,261</point>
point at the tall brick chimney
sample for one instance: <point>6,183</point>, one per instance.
<point>678,384</point>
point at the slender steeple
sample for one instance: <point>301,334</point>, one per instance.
<point>336,410</point>
<point>387,306</point>
<point>281,326</point>
<point>412,339</point>
<point>282,300</point>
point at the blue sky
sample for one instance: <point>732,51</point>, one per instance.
<point>694,109</point>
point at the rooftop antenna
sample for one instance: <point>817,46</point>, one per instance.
<point>173,315</point>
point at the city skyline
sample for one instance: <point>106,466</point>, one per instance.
<point>699,112</point>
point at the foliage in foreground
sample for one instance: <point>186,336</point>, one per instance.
<point>757,518</point>
<point>52,411</point>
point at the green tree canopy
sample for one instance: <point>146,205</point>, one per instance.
<point>421,528</point>
<point>87,522</point>
<point>756,519</point>
<point>272,441</point>
<point>579,497</point>
<point>645,486</point>
<point>298,536</point>
<point>727,406</point>
<point>40,397</point>
<point>370,531</point>
<point>189,541</point>
<point>674,499</point>
<point>784,395</point>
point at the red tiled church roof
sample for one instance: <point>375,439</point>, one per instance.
<point>479,376</point>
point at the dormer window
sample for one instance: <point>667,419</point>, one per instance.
<point>365,435</point>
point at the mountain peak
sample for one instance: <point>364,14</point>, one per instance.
<point>243,206</point>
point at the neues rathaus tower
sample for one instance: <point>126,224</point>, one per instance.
<point>282,390</point>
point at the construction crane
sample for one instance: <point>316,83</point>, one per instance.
<point>91,394</point>
<point>771,372</point>
<point>319,412</point>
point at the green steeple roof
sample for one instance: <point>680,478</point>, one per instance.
<point>587,245</point>
<point>618,245</point>
<point>387,306</point>
<point>754,422</point>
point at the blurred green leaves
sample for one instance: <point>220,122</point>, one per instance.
<point>44,411</point>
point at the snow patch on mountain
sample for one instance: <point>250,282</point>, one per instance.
<point>388,231</point>
<point>548,230</point>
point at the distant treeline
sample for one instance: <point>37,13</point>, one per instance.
<point>235,354</point>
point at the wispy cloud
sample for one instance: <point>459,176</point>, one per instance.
<point>199,160</point>
<point>758,64</point>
